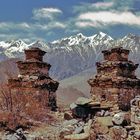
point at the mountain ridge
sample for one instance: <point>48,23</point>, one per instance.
<point>72,55</point>
<point>72,58</point>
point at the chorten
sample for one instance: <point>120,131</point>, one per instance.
<point>115,81</point>
<point>34,79</point>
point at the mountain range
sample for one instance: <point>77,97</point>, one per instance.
<point>72,58</point>
<point>72,55</point>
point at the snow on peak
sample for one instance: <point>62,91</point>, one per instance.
<point>39,44</point>
<point>4,45</point>
<point>80,39</point>
<point>102,34</point>
<point>13,45</point>
<point>80,35</point>
<point>76,53</point>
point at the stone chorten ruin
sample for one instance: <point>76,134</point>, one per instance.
<point>34,79</point>
<point>115,81</point>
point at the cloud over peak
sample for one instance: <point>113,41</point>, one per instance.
<point>102,4</point>
<point>46,13</point>
<point>67,18</point>
<point>107,17</point>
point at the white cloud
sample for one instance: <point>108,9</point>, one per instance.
<point>85,24</point>
<point>102,4</point>
<point>98,6</point>
<point>24,25</point>
<point>5,26</point>
<point>57,25</point>
<point>9,26</point>
<point>49,26</point>
<point>25,31</point>
<point>105,17</point>
<point>29,37</point>
<point>46,13</point>
<point>10,36</point>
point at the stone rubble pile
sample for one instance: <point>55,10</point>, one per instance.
<point>135,112</point>
<point>76,130</point>
<point>116,127</point>
<point>103,124</point>
<point>19,134</point>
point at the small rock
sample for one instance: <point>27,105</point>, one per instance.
<point>78,130</point>
<point>67,116</point>
<point>107,113</point>
<point>118,119</point>
<point>137,134</point>
<point>102,112</point>
<point>83,101</point>
<point>73,106</point>
<point>70,122</point>
<point>34,77</point>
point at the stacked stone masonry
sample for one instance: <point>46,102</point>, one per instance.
<point>115,81</point>
<point>34,79</point>
<point>135,112</point>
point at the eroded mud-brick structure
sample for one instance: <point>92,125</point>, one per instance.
<point>34,79</point>
<point>115,81</point>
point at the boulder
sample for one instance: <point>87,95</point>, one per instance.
<point>118,119</point>
<point>137,135</point>
<point>83,101</point>
<point>99,128</point>
<point>18,135</point>
<point>121,118</point>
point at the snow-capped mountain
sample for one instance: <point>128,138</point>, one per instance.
<point>80,40</point>
<point>131,42</point>
<point>12,49</point>
<point>72,55</point>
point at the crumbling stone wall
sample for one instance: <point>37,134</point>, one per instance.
<point>115,81</point>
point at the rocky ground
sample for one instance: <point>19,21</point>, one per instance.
<point>103,125</point>
<point>98,128</point>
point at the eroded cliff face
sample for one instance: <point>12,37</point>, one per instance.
<point>115,81</point>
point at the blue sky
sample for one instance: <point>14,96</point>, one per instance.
<point>48,20</point>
